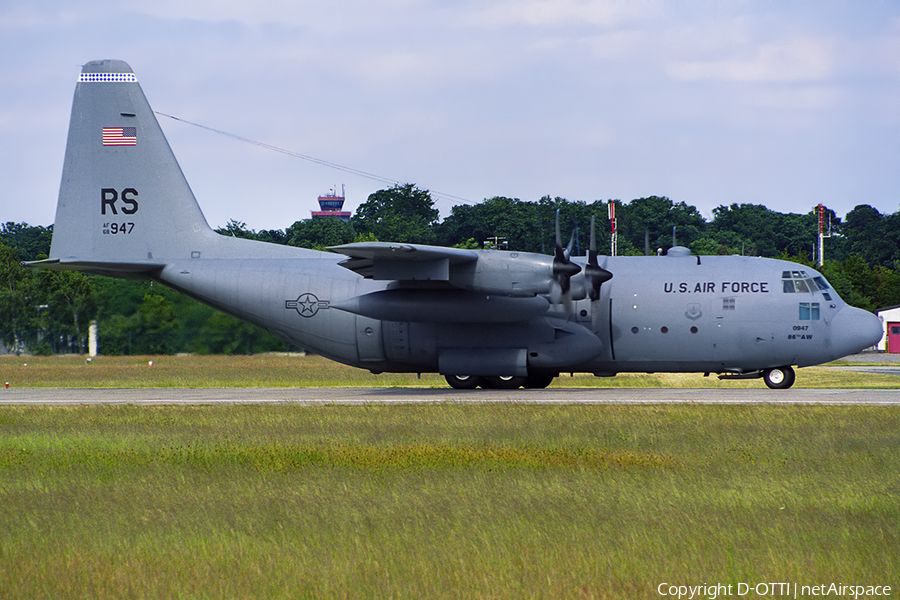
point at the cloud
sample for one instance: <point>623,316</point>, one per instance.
<point>556,13</point>
<point>801,59</point>
<point>576,98</point>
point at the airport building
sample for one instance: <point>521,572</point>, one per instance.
<point>890,319</point>
<point>331,205</point>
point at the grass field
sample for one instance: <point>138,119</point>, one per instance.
<point>438,500</point>
<point>443,500</point>
<point>292,370</point>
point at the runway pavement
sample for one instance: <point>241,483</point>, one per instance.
<point>878,370</point>
<point>408,395</point>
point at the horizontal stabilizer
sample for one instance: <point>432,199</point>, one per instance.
<point>110,269</point>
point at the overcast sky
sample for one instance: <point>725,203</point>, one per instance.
<point>782,103</point>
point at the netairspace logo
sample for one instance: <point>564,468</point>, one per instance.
<point>780,589</point>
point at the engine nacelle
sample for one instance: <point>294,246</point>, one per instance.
<point>515,274</point>
<point>505,273</point>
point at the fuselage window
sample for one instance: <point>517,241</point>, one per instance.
<point>809,311</point>
<point>727,303</point>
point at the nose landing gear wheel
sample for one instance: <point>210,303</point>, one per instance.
<point>464,382</point>
<point>779,378</point>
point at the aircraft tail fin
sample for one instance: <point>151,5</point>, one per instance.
<point>123,198</point>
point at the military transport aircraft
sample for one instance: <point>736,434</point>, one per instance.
<point>478,317</point>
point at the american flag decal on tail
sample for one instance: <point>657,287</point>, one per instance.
<point>120,136</point>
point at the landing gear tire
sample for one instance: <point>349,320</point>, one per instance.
<point>779,378</point>
<point>538,382</point>
<point>504,382</point>
<point>464,382</point>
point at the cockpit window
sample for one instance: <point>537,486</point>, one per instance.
<point>799,282</point>
<point>820,281</point>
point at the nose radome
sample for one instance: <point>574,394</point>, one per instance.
<point>854,330</point>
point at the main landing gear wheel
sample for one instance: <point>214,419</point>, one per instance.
<point>464,382</point>
<point>499,382</point>
<point>538,382</point>
<point>504,382</point>
<point>779,378</point>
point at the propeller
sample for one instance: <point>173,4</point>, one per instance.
<point>593,272</point>
<point>563,271</point>
<point>596,276</point>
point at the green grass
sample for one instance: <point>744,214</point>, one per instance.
<point>443,500</point>
<point>290,370</point>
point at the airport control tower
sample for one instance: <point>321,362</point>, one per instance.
<point>330,205</point>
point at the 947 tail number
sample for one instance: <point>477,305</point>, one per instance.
<point>115,228</point>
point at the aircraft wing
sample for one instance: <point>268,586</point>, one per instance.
<point>387,261</point>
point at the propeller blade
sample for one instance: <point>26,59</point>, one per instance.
<point>568,305</point>
<point>558,236</point>
<point>556,293</point>
<point>593,272</point>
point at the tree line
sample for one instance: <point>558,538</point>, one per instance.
<point>49,312</point>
